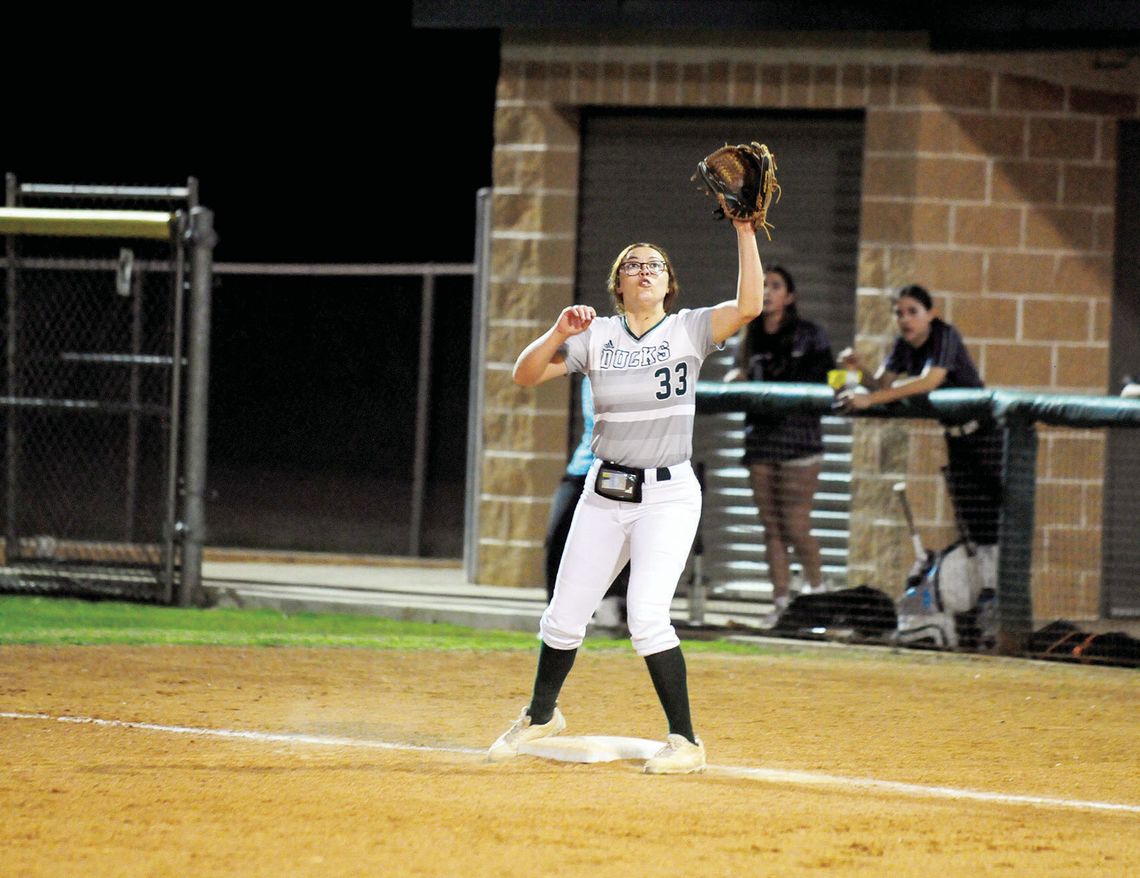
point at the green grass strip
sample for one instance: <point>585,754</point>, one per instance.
<point>52,621</point>
<point>66,621</point>
<point>42,620</point>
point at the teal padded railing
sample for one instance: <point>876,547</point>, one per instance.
<point>1016,412</point>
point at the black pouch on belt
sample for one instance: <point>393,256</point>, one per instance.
<point>619,482</point>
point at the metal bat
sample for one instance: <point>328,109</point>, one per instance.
<point>916,540</point>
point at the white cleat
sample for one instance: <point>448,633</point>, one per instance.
<point>678,756</point>
<point>779,605</point>
<point>507,746</point>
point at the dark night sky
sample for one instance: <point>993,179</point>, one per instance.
<point>312,140</point>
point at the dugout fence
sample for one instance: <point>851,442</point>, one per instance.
<point>1064,552</point>
<point>342,426</point>
<point>105,331</point>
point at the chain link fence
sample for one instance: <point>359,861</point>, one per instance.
<point>339,413</point>
<point>93,333</point>
<point>978,521</point>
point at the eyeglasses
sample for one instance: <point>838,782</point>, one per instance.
<point>654,267</point>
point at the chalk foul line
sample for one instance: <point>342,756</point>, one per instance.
<point>807,778</point>
<point>769,775</point>
<point>261,737</point>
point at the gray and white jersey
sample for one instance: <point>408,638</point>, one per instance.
<point>645,389</point>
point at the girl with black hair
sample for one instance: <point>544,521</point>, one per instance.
<point>784,455</point>
<point>928,354</point>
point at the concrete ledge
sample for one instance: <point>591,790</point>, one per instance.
<point>423,594</point>
<point>399,607</point>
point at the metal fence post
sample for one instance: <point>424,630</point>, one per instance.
<point>133,397</point>
<point>1015,537</point>
<point>202,241</point>
<point>12,437</point>
<point>479,293</point>
<point>423,404</point>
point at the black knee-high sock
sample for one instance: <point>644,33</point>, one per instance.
<point>553,666</point>
<point>667,670</point>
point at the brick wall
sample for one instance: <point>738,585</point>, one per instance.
<point>991,186</point>
<point>995,191</point>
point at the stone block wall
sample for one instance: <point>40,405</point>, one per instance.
<point>995,191</point>
<point>990,180</point>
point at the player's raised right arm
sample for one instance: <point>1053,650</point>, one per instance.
<point>540,360</point>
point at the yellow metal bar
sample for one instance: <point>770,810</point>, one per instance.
<point>86,223</point>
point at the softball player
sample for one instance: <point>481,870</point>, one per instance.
<point>642,501</point>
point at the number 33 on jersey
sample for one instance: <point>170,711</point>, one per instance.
<point>644,387</point>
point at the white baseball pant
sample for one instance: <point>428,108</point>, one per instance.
<point>655,536</point>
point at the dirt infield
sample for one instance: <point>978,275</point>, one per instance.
<point>114,799</point>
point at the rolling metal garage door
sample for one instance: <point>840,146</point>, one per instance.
<point>636,186</point>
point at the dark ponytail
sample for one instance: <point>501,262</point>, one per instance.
<point>919,294</point>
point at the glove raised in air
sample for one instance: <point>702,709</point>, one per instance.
<point>742,178</point>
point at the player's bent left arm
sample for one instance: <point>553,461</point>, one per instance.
<point>932,378</point>
<point>729,317</point>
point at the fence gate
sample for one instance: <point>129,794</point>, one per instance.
<point>93,329</point>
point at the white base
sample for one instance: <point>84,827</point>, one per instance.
<point>590,748</point>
